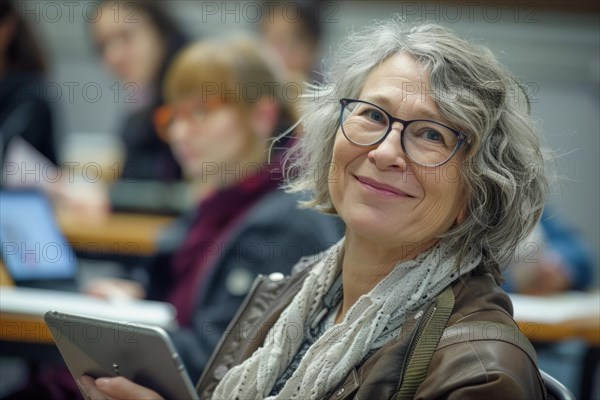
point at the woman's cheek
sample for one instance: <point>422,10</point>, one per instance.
<point>337,177</point>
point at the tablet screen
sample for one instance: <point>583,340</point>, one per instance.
<point>33,247</point>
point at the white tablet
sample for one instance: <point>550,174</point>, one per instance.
<point>140,353</point>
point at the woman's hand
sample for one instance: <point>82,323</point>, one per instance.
<point>117,289</point>
<point>83,200</point>
<point>114,389</point>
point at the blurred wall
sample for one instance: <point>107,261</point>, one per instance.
<point>555,52</point>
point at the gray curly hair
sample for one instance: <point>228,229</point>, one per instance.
<point>504,163</point>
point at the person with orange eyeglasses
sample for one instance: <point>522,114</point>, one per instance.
<point>223,108</point>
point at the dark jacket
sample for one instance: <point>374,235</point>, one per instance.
<point>473,369</point>
<point>272,237</point>
<point>25,112</point>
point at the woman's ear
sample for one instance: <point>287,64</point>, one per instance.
<point>264,118</point>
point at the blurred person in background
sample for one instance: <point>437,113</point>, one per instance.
<point>220,115</point>
<point>553,259</point>
<point>28,143</point>
<point>137,40</point>
<point>293,29</point>
<point>22,70</point>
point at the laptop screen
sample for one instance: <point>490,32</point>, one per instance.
<point>32,246</point>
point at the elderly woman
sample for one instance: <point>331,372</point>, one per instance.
<point>435,168</point>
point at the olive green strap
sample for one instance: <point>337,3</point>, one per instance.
<point>427,343</point>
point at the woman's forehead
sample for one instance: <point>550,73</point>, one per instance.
<point>402,65</point>
<point>400,82</point>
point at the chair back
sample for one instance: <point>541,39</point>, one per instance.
<point>555,389</point>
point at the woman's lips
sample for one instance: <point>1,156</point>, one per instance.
<point>380,188</point>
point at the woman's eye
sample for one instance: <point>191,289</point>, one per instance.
<point>373,114</point>
<point>434,136</point>
<point>376,116</point>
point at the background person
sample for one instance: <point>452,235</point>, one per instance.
<point>242,225</point>
<point>22,70</point>
<point>554,258</point>
<point>28,142</point>
<point>137,40</point>
<point>294,30</point>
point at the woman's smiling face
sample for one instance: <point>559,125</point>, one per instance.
<point>378,191</point>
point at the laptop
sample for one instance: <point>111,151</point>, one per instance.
<point>34,251</point>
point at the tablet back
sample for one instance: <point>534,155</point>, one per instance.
<point>143,354</point>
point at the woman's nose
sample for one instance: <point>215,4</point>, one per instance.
<point>389,154</point>
<point>179,129</point>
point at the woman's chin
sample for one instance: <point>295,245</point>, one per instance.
<point>372,224</point>
<point>193,173</point>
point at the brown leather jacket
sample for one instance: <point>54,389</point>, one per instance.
<point>472,369</point>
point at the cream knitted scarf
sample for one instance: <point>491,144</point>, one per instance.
<point>372,321</point>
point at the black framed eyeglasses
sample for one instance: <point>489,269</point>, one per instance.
<point>425,142</point>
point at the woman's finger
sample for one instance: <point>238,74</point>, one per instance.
<point>88,386</point>
<point>122,388</point>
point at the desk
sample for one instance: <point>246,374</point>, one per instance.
<point>21,328</point>
<point>24,329</point>
<point>5,279</point>
<point>22,310</point>
<point>587,329</point>
<point>567,315</point>
<point>120,233</point>
<point>31,329</point>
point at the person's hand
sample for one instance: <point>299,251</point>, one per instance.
<point>114,389</point>
<point>548,276</point>
<point>550,279</point>
<point>109,288</point>
<point>85,201</point>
